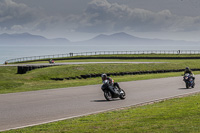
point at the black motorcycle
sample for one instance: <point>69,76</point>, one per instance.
<point>189,80</point>
<point>114,93</point>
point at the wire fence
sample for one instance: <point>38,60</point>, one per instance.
<point>42,57</point>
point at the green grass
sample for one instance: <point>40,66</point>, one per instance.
<point>92,60</point>
<point>179,115</point>
<point>175,115</point>
<point>40,79</point>
<point>73,59</point>
<point>27,84</point>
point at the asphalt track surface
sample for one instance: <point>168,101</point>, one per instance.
<point>24,109</point>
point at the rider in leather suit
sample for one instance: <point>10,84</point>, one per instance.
<point>188,70</point>
<point>111,83</point>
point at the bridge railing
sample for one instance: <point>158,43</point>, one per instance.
<point>31,58</point>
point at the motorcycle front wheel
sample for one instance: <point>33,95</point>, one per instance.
<point>122,95</point>
<point>187,85</point>
<point>108,95</point>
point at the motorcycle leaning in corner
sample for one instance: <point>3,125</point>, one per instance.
<point>111,92</point>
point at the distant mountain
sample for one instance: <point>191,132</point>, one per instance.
<point>26,38</point>
<point>117,36</point>
<point>126,39</point>
<point>120,38</point>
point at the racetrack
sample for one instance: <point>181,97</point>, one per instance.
<point>75,63</point>
<point>32,108</point>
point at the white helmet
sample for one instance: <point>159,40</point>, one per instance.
<point>103,76</point>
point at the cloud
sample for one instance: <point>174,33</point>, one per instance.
<point>102,16</point>
<point>12,13</point>
<point>99,16</point>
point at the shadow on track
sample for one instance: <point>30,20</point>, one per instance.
<point>183,88</point>
<point>105,100</point>
<point>99,101</point>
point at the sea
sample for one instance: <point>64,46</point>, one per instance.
<point>8,52</point>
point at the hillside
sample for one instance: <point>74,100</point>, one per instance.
<point>26,38</point>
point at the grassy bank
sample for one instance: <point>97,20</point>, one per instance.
<point>41,78</point>
<point>175,115</point>
<point>81,58</point>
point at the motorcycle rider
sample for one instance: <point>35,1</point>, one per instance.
<point>188,70</point>
<point>51,61</point>
<point>112,84</point>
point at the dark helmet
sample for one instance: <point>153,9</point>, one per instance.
<point>103,76</point>
<point>187,68</point>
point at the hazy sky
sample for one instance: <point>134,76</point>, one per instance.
<point>84,19</point>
